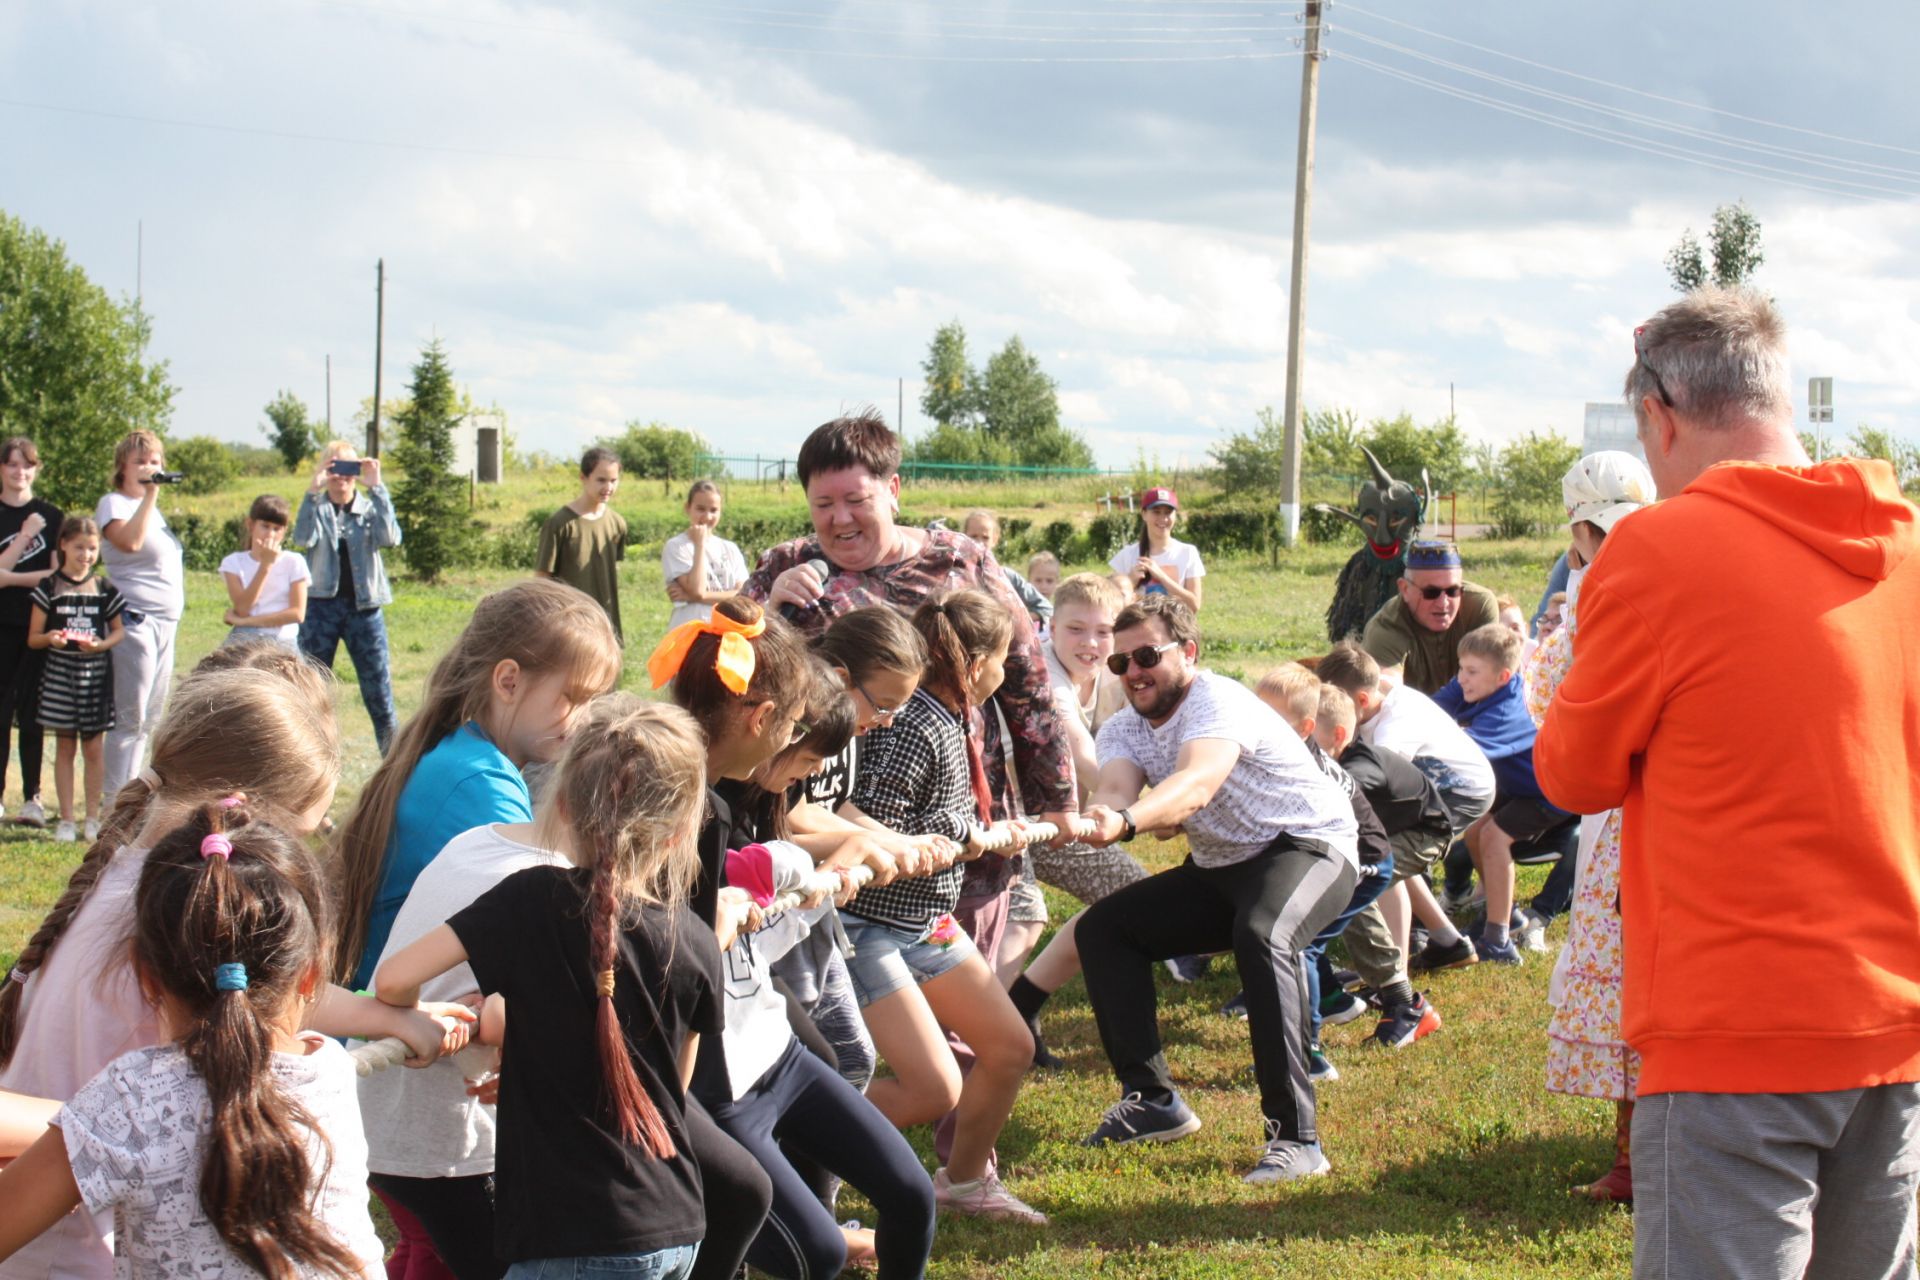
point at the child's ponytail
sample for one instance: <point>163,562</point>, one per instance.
<point>230,928</point>
<point>958,628</point>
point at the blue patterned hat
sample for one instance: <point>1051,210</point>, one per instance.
<point>1433,555</point>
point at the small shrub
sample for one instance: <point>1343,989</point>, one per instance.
<point>209,464</point>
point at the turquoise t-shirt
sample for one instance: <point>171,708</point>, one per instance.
<point>463,783</point>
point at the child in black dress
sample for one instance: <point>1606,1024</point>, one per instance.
<point>76,618</point>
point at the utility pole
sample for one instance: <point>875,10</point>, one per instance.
<point>900,410</point>
<point>329,396</point>
<point>1297,291</point>
<point>379,340</point>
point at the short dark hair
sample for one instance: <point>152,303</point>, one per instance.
<point>270,508</point>
<point>1174,616</point>
<point>22,446</point>
<point>1350,669</point>
<point>860,439</point>
<point>590,460</point>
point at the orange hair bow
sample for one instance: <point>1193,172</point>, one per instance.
<point>734,661</point>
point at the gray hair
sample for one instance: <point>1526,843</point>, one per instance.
<point>1722,356</point>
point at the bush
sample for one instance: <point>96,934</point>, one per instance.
<point>206,540</point>
<point>1110,531</point>
<point>1323,527</point>
<point>208,463</point>
<point>1527,499</point>
<point>655,451</point>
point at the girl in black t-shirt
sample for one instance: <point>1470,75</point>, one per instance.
<point>609,982</point>
<point>28,528</point>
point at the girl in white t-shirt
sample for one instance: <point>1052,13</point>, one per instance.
<point>236,1142</point>
<point>1160,563</point>
<point>700,566</point>
<point>268,585</point>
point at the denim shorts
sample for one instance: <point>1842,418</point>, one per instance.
<point>886,959</point>
<point>671,1263</point>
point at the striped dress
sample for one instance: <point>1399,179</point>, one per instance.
<point>76,691</point>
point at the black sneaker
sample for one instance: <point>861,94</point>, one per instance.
<point>1403,1024</point>
<point>1346,979</point>
<point>1043,1057</point>
<point>1134,1119</point>
<point>1341,1006</point>
<point>1189,968</point>
<point>1452,955</point>
<point>1236,1007</point>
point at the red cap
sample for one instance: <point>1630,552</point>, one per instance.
<point>1158,497</point>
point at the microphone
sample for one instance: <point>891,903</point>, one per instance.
<point>821,571</point>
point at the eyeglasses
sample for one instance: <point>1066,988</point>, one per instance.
<point>1146,657</point>
<point>800,730</point>
<point>879,712</point>
<point>1434,593</point>
<point>1640,358</point>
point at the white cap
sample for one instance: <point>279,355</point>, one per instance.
<point>1602,487</point>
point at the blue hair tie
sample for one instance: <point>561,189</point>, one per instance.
<point>229,977</point>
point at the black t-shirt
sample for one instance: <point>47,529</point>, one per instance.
<point>1373,836</point>
<point>1403,796</point>
<point>346,590</point>
<point>15,601</point>
<point>567,1185</point>
<point>833,784</point>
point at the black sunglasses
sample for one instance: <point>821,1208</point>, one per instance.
<point>1434,593</point>
<point>1640,357</point>
<point>1146,657</point>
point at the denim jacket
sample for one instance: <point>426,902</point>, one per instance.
<point>369,526</point>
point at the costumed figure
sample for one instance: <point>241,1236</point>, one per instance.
<point>1388,513</point>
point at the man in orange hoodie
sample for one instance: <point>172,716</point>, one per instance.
<point>1746,686</point>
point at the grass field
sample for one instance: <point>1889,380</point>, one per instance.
<point>1450,1159</point>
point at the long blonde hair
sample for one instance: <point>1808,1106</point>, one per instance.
<point>631,791</point>
<point>268,732</point>
<point>542,625</point>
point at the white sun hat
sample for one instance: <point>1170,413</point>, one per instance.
<point>1603,487</point>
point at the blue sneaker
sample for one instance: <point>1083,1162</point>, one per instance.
<point>1236,1007</point>
<point>1341,1006</point>
<point>1189,968</point>
<point>1134,1119</point>
<point>1320,1069</point>
<point>1498,952</point>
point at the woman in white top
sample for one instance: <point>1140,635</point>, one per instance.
<point>1160,564</point>
<point>700,566</point>
<point>267,584</point>
<point>144,560</point>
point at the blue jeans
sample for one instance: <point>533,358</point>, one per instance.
<point>333,619</point>
<point>672,1263</point>
<point>1374,881</point>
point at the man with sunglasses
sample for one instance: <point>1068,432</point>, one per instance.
<point>1421,629</point>
<point>1747,691</point>
<point>1273,859</point>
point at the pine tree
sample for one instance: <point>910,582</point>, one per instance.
<point>430,500</point>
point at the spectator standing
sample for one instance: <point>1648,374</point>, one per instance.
<point>701,567</point>
<point>146,564</point>
<point>583,543</point>
<point>1159,563</point>
<point>266,584</point>
<point>75,620</point>
<point>1753,714</point>
<point>344,531</point>
<point>28,527</point>
<point>1421,628</point>
<point>984,528</point>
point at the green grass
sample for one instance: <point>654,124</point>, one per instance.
<point>1450,1158</point>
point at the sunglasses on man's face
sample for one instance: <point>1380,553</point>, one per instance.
<point>1146,657</point>
<point>1434,593</point>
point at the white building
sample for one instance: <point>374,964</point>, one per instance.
<point>479,447</point>
<point>1610,425</point>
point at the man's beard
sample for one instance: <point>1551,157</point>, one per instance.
<point>1164,700</point>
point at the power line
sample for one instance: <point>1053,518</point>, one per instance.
<point>1626,88</point>
<point>883,56</point>
<point>1666,150</point>
<point>1820,159</point>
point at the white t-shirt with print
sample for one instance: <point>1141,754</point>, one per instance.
<point>421,1123</point>
<point>1408,722</point>
<point>1180,559</point>
<point>134,1136</point>
<point>151,580</point>
<point>1109,694</point>
<point>1273,788</point>
<point>726,571</point>
<point>277,594</point>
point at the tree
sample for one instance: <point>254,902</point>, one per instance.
<point>1019,405</point>
<point>1875,442</point>
<point>1527,497</point>
<point>74,376</point>
<point>1251,462</point>
<point>1405,449</point>
<point>289,429</point>
<point>209,464</point>
<point>947,393</point>
<point>431,500</point>
<point>1733,244</point>
<point>656,451</point>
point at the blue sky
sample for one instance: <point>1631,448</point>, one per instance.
<point>742,216</point>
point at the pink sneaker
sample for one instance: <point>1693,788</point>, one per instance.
<point>985,1197</point>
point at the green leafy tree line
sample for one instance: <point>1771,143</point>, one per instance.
<point>1005,414</point>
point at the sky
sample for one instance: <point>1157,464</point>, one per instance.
<point>744,217</point>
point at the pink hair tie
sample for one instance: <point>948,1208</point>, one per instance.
<point>216,843</point>
<point>233,801</point>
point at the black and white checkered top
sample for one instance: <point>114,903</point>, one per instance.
<point>913,777</point>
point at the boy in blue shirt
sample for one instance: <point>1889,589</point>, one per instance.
<point>1489,702</point>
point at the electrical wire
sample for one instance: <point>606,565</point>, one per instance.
<point>1347,7</point>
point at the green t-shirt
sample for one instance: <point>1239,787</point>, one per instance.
<point>1432,657</point>
<point>585,552</point>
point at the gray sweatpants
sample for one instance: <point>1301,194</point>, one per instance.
<point>142,677</point>
<point>1776,1186</point>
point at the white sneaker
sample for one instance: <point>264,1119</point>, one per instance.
<point>984,1197</point>
<point>32,814</point>
<point>1285,1160</point>
<point>64,833</point>
<point>92,830</point>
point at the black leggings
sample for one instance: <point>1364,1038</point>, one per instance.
<point>20,700</point>
<point>458,1215</point>
<point>737,1191</point>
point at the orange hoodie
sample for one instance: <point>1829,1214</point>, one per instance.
<point>1746,687</point>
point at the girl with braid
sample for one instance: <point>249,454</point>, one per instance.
<point>609,984</point>
<point>236,1144</point>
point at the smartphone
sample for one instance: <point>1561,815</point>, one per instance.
<point>344,467</point>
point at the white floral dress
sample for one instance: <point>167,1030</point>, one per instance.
<point>1585,1054</point>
